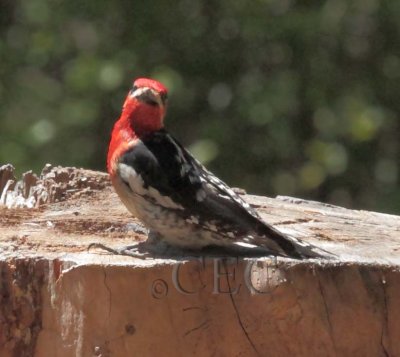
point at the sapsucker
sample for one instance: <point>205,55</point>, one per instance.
<point>175,197</point>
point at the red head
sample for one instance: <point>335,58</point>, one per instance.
<point>143,112</point>
<point>144,107</point>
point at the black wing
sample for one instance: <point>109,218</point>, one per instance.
<point>169,168</point>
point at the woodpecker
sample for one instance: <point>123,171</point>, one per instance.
<point>174,195</point>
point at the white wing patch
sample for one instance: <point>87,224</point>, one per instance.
<point>136,183</point>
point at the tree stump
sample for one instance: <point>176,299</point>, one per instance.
<point>60,299</point>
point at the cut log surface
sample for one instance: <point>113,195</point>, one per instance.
<point>57,298</point>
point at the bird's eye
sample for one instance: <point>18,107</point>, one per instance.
<point>132,90</point>
<point>164,97</point>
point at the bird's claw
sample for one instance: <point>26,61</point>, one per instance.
<point>133,250</point>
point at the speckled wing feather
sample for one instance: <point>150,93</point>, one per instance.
<point>168,171</point>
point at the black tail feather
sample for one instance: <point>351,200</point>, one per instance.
<point>288,246</point>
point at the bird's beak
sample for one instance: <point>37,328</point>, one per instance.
<point>148,96</point>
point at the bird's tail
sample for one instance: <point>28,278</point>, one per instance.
<point>288,246</point>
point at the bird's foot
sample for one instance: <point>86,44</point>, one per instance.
<point>144,250</point>
<point>153,247</point>
<point>133,250</point>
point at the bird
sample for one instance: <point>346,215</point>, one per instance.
<point>183,204</point>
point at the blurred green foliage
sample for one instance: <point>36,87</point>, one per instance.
<point>277,96</point>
